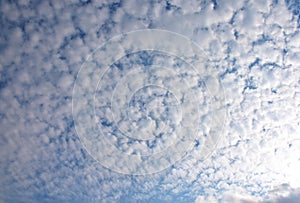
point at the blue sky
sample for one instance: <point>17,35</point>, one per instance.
<point>150,101</point>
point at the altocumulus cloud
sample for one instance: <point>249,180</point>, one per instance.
<point>254,46</point>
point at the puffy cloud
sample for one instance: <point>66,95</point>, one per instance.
<point>254,46</point>
<point>238,198</point>
<point>283,193</point>
<point>203,199</point>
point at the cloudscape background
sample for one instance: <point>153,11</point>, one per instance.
<point>255,48</point>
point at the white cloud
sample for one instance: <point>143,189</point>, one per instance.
<point>203,199</point>
<point>238,198</point>
<point>283,193</point>
<point>42,48</point>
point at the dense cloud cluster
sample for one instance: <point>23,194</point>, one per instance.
<point>254,49</point>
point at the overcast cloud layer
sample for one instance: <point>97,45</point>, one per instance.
<point>254,49</point>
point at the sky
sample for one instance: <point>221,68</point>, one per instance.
<point>150,101</point>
